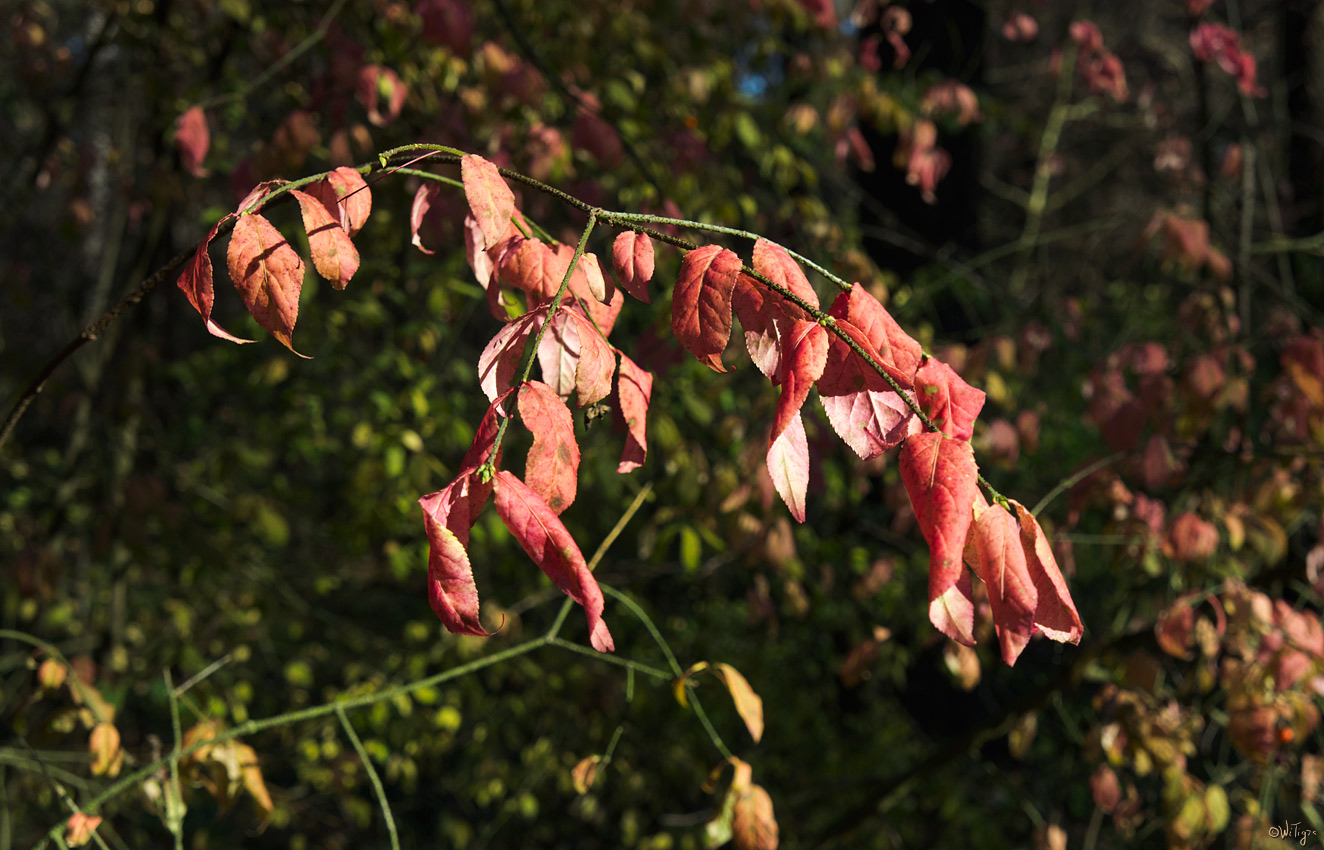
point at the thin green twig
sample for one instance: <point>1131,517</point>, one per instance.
<point>372,775</point>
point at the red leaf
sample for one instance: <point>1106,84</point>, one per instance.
<point>192,139</point>
<point>634,389</point>
<point>939,474</point>
<point>870,421</point>
<point>333,254</point>
<point>552,470</point>
<point>484,439</point>
<point>451,588</point>
<point>1001,565</point>
<point>531,266</point>
<point>632,258</point>
<point>953,612</point>
<point>772,261</point>
<point>1055,614</point>
<point>346,196</point>
<point>804,358</point>
<point>895,350</point>
<point>547,542</point>
<point>422,203</point>
<point>268,274</point>
<point>376,81</point>
<point>762,325</point>
<point>586,284</point>
<point>489,197</point>
<point>196,281</point>
<point>949,401</point>
<point>788,465</point>
<point>701,305</point>
<point>502,354</point>
<point>476,253</point>
<point>258,195</point>
<point>596,364</point>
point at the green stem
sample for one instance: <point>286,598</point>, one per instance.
<point>176,826</point>
<point>373,778</point>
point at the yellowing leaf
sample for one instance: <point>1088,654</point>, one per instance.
<point>678,684</point>
<point>104,746</point>
<point>585,773</point>
<point>79,829</point>
<point>748,704</point>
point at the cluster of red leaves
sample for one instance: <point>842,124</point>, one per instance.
<point>1221,45</point>
<point>790,345</point>
<point>1099,67</point>
<point>871,377</point>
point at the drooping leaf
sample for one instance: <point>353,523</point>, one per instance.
<point>598,285</point>
<point>1001,566</point>
<point>805,349</point>
<point>632,258</point>
<point>939,475</point>
<point>887,343</point>
<point>953,611</point>
<point>701,305</point>
<point>452,593</point>
<point>500,358</point>
<point>251,778</point>
<point>346,196</point>
<point>79,828</point>
<point>948,400</point>
<point>196,282</point>
<point>552,470</point>
<point>476,254</point>
<point>489,197</point>
<point>1055,614</point>
<point>748,704</point>
<point>422,203</point>
<point>192,140</point>
<point>268,274</point>
<point>788,465</point>
<point>546,540</point>
<point>753,824</point>
<point>634,389</point>
<point>334,255</point>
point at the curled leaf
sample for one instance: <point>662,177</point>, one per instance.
<point>584,773</point>
<point>1011,591</point>
<point>346,195</point>
<point>805,355</point>
<point>79,828</point>
<point>422,203</point>
<point>634,389</point>
<point>788,465</point>
<point>448,515</point>
<point>1055,612</point>
<point>196,283</point>
<point>500,358</point>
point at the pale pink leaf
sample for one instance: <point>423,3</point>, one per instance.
<point>788,465</point>
<point>501,356</point>
<point>634,390</point>
<point>632,259</point>
<point>489,197</point>
<point>422,203</point>
<point>1011,591</point>
<point>192,140</point>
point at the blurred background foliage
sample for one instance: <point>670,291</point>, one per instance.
<point>1117,240</point>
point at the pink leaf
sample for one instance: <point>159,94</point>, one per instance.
<point>502,354</point>
<point>596,364</point>
<point>376,82</point>
<point>268,274</point>
<point>1001,565</point>
<point>788,465</point>
<point>196,282</point>
<point>634,388</point>
<point>451,588</point>
<point>590,287</point>
<point>772,261</point>
<point>489,197</point>
<point>552,470</point>
<point>558,354</point>
<point>333,254</point>
<point>422,203</point>
<point>953,612</point>
<point>870,421</point>
<point>346,196</point>
<point>532,267</point>
<point>806,347</point>
<point>632,258</point>
<point>192,139</point>
<point>1055,614</point>
<point>476,253</point>
<point>939,474</point>
<point>948,400</point>
<point>546,540</point>
<point>701,305</point>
